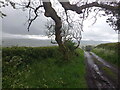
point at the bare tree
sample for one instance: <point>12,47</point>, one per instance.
<point>80,7</point>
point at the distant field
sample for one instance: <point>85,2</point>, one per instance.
<point>42,67</point>
<point>109,52</point>
<point>39,43</point>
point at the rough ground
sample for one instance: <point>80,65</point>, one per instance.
<point>101,74</point>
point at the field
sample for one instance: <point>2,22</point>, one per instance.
<point>109,52</point>
<point>42,67</point>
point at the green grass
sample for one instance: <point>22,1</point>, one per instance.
<point>110,46</point>
<point>110,72</point>
<point>107,70</point>
<point>42,67</point>
<point>109,52</point>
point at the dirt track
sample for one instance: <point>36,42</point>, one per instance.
<point>97,77</point>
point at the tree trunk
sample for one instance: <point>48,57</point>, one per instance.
<point>50,12</point>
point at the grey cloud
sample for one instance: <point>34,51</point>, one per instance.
<point>100,35</point>
<point>19,36</point>
<point>100,31</point>
<point>15,20</point>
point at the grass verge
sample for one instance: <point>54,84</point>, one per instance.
<point>42,67</point>
<point>108,55</point>
<point>106,70</point>
<point>109,52</point>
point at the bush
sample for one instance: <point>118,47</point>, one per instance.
<point>70,45</point>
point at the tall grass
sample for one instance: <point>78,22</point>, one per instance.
<point>42,67</point>
<point>109,52</point>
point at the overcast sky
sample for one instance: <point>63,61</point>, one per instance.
<point>14,26</point>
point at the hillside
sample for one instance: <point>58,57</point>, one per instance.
<point>111,46</point>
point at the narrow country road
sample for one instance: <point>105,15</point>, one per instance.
<point>100,74</point>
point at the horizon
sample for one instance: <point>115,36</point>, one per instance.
<point>8,42</point>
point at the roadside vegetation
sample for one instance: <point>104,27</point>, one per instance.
<point>42,67</point>
<point>109,52</point>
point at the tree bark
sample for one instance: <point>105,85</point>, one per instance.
<point>50,12</point>
<point>67,6</point>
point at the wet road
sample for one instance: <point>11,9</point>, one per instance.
<point>95,77</point>
<point>104,62</point>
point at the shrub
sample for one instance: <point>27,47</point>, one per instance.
<point>70,45</point>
